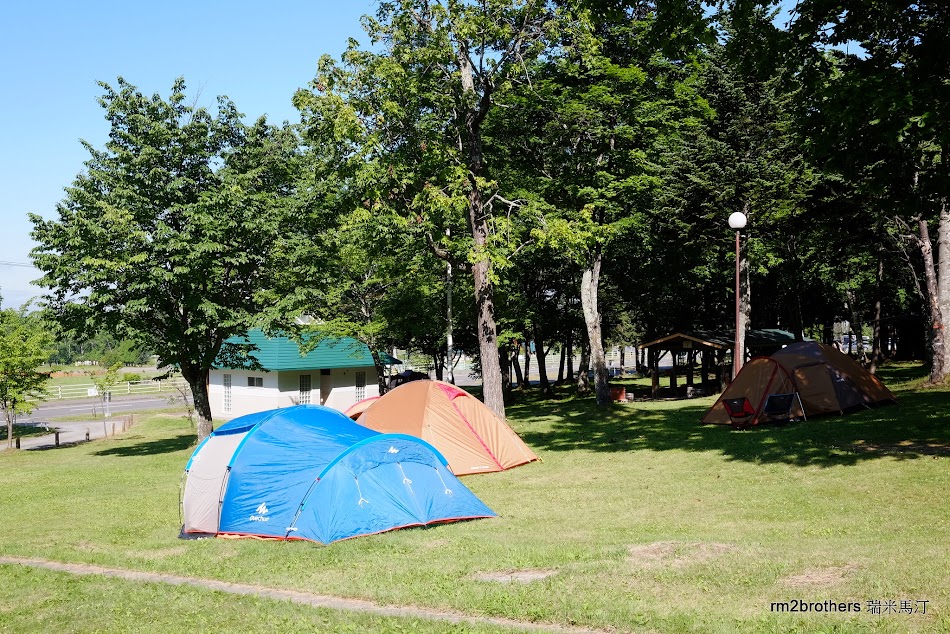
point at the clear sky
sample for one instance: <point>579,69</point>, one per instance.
<point>54,52</point>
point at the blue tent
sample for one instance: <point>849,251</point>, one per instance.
<point>309,472</point>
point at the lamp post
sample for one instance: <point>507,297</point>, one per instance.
<point>737,222</point>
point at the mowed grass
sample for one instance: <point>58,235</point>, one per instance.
<point>639,519</point>
<point>41,601</point>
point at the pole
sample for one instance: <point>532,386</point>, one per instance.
<point>449,343</point>
<point>737,351</point>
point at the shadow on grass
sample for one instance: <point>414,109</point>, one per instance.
<point>913,428</point>
<point>152,447</point>
<point>24,430</point>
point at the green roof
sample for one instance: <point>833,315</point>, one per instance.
<point>282,353</point>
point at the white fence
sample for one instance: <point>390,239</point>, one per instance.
<point>89,390</point>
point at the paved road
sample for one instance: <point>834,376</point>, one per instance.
<point>86,406</point>
<point>74,432</point>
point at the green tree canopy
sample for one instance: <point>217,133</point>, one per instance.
<point>25,344</point>
<point>165,238</point>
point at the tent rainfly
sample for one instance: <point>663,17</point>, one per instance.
<point>309,472</point>
<point>827,381</point>
<point>461,427</point>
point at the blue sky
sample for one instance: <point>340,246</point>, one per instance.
<point>256,53</point>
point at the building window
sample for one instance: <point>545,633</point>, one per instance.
<point>304,389</point>
<point>360,386</point>
<point>255,381</point>
<point>227,393</point>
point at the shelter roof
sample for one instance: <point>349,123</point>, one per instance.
<point>721,339</point>
<point>282,353</point>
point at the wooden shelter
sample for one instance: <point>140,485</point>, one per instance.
<point>703,359</point>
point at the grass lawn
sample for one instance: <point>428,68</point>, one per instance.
<point>639,519</point>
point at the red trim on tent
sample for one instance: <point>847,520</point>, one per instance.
<point>452,391</point>
<point>768,387</point>
<point>765,394</point>
<point>385,530</point>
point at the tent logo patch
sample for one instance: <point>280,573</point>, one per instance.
<point>262,512</point>
<point>393,450</point>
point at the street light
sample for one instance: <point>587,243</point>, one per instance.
<point>737,222</point>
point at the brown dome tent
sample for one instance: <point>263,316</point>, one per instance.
<point>825,380</point>
<point>462,428</point>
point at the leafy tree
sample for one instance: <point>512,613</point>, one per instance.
<point>413,108</point>
<point>165,238</point>
<point>416,311</point>
<point>125,353</point>
<point>104,384</point>
<point>882,109</point>
<point>603,112</point>
<point>24,345</point>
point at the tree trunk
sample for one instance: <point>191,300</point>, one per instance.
<point>569,344</point>
<point>590,282</point>
<point>877,354</point>
<point>9,416</point>
<point>938,370</point>
<point>539,353</point>
<point>583,381</point>
<point>857,326</point>
<point>197,380</point>
<point>560,366</point>
<point>492,390</point>
<point>525,380</point>
<point>504,361</point>
<point>380,371</point>
<point>943,281</point>
<point>515,363</point>
<point>797,321</point>
<point>477,218</point>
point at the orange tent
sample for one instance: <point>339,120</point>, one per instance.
<point>360,406</point>
<point>826,380</point>
<point>462,428</point>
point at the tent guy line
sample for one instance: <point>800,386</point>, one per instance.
<point>294,596</point>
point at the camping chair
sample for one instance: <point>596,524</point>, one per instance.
<point>778,407</point>
<point>740,411</point>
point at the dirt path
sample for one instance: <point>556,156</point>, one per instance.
<point>305,598</point>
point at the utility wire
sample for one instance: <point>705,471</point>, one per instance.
<point>20,264</point>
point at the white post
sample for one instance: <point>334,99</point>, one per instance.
<point>449,343</point>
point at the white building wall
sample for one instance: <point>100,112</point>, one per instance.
<point>282,389</point>
<point>342,387</point>
<point>245,399</point>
